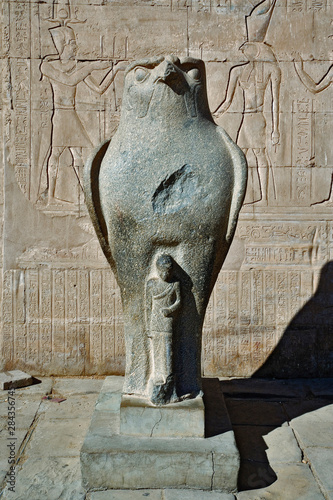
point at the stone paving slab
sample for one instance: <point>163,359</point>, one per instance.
<point>3,470</point>
<point>270,389</point>
<point>25,410</point>
<point>295,482</point>
<point>196,495</point>
<point>5,450</point>
<point>312,432</point>
<point>74,386</point>
<point>6,440</point>
<point>125,495</point>
<point>54,437</point>
<point>14,379</point>
<point>243,412</point>
<point>166,494</point>
<point>75,406</point>
<point>282,446</point>
<point>40,388</point>
<point>55,478</point>
<point>321,460</point>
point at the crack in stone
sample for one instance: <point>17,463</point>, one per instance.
<point>156,423</point>
<point>213,467</point>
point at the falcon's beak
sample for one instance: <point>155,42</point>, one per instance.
<point>169,74</point>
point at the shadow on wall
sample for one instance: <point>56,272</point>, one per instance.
<point>306,347</point>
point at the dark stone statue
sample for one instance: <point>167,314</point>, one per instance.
<point>164,197</point>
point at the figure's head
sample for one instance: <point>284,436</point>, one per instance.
<point>258,51</point>
<point>250,50</point>
<point>164,265</point>
<point>65,42</point>
<point>166,85</point>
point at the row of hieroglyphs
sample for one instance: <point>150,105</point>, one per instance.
<point>66,92</point>
<point>247,315</point>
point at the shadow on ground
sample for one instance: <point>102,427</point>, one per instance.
<point>258,406</point>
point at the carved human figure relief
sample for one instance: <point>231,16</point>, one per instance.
<point>65,72</point>
<point>261,72</point>
<point>316,88</point>
<point>163,301</point>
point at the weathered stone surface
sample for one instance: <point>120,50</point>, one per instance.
<point>196,495</point>
<point>183,419</point>
<point>80,405</point>
<point>295,482</point>
<point>14,379</point>
<point>314,428</point>
<point>170,185</point>
<point>123,495</point>
<point>39,389</point>
<point>321,462</point>
<point>65,440</point>
<point>111,460</point>
<point>282,446</point>
<point>25,409</point>
<point>58,294</point>
<point>73,386</point>
<point>54,478</point>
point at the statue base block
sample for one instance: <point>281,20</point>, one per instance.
<point>110,460</point>
<point>183,419</point>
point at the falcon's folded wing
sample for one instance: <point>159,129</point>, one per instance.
<point>91,191</point>
<point>240,181</point>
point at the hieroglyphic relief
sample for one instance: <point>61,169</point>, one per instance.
<point>65,72</point>
<point>254,77</point>
<point>315,88</point>
<point>61,307</point>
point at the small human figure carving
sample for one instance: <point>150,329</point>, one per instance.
<point>315,88</point>
<point>163,303</point>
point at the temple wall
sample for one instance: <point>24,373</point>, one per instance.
<point>271,310</point>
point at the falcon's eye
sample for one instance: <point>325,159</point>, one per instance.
<point>141,74</point>
<point>194,73</point>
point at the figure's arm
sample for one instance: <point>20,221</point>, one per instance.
<point>100,88</point>
<point>167,311</point>
<point>275,81</point>
<point>176,303</point>
<point>230,92</point>
<point>309,83</point>
<point>148,303</point>
<point>72,79</point>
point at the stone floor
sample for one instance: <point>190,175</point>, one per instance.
<point>283,430</point>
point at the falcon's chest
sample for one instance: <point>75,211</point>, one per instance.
<point>175,179</point>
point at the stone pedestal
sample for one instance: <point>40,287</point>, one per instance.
<point>183,419</point>
<point>117,461</point>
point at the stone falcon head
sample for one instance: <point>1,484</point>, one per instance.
<point>166,84</point>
